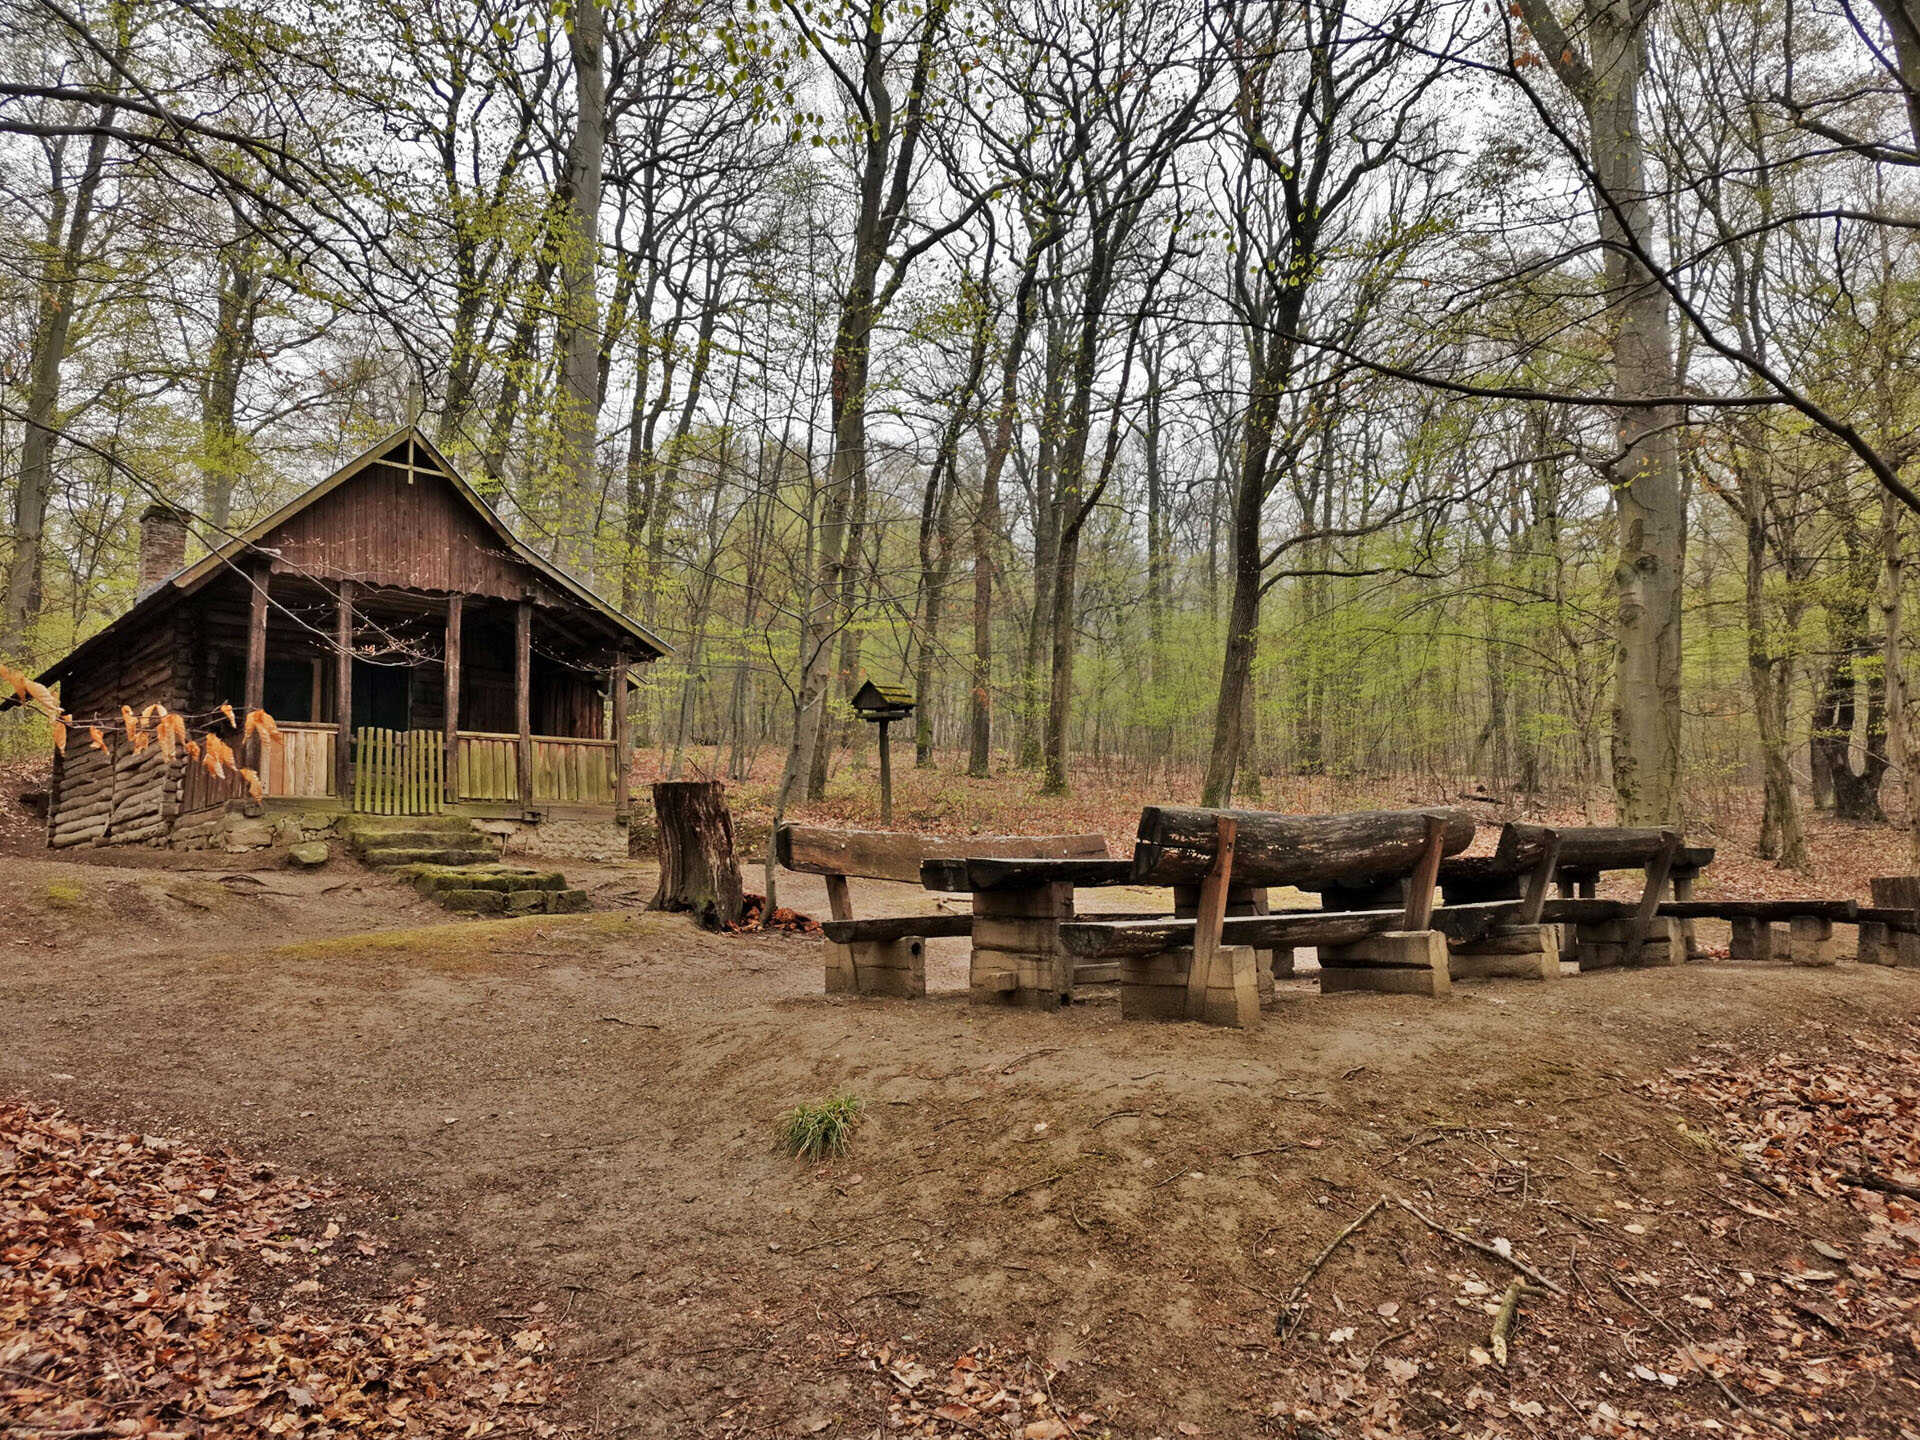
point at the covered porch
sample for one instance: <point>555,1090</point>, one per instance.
<point>400,702</point>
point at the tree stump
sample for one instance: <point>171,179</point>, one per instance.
<point>699,871</point>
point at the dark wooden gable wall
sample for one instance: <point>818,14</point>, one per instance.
<point>403,527</point>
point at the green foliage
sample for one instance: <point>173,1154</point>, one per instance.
<point>820,1130</point>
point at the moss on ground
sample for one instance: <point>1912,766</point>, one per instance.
<point>65,895</point>
<point>459,940</point>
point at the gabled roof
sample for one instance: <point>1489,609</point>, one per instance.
<point>190,578</point>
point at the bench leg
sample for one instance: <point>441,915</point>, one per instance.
<point>1810,941</point>
<point>1402,962</point>
<point>1752,940</point>
<point>1689,941</point>
<point>1875,946</point>
<point>1602,944</point>
<point>1017,958</point>
<point>1154,987</point>
<point>878,967</point>
<point>1518,952</point>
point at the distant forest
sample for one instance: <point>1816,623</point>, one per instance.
<point>1519,394</point>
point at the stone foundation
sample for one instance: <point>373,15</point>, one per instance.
<point>878,967</point>
<point>1154,987</point>
<point>1602,943</point>
<point>1400,962</point>
<point>1518,952</point>
<point>559,839</point>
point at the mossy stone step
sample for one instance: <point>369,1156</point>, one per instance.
<point>417,839</point>
<point>391,858</point>
<point>514,902</point>
<point>370,826</point>
<point>429,878</point>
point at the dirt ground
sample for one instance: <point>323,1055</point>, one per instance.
<point>577,1111</point>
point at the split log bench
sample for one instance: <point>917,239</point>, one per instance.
<point>1204,968</point>
<point>886,955</point>
<point>1648,933</point>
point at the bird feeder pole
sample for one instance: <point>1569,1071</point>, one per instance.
<point>882,705</point>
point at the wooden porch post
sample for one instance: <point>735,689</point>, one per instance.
<point>455,610</point>
<point>621,755</point>
<point>523,696</point>
<point>256,696</point>
<point>343,693</point>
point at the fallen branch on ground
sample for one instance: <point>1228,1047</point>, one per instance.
<point>1289,1308</point>
<point>1485,1249</point>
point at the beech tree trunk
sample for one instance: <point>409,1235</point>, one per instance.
<point>1602,68</point>
<point>578,340</point>
<point>699,871</point>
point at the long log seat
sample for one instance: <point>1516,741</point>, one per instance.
<point>1211,957</point>
<point>886,955</point>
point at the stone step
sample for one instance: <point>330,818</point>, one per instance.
<point>421,840</point>
<point>430,878</point>
<point>384,857</point>
<point>514,902</point>
<point>356,824</point>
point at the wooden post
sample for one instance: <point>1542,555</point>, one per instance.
<point>343,693</point>
<point>1426,874</point>
<point>1535,897</point>
<point>256,696</point>
<point>523,696</point>
<point>1208,914</point>
<point>1657,870</point>
<point>456,613</point>
<point>886,777</point>
<point>622,748</point>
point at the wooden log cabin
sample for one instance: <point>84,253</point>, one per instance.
<point>416,657</point>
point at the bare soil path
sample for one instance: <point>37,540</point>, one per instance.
<point>577,1110</point>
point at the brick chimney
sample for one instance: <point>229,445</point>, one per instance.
<point>163,544</point>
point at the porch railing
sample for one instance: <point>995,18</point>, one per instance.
<point>405,772</point>
<point>566,770</point>
<point>572,771</point>
<point>301,764</point>
<point>399,772</point>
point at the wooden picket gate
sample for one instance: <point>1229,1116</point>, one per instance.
<point>399,772</point>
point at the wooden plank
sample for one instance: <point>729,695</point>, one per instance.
<point>983,876</point>
<point>1608,847</point>
<point>450,680</point>
<point>1209,914</point>
<point>1175,845</point>
<point>888,928</point>
<point>898,854</point>
<point>622,755</point>
<point>523,697</point>
<point>1426,874</point>
<point>1542,876</point>
<point>840,898</point>
<point>1657,871</point>
<point>256,682</point>
<point>1093,938</point>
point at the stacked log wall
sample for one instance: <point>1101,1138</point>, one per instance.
<point>117,796</point>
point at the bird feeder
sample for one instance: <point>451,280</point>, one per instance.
<point>882,705</point>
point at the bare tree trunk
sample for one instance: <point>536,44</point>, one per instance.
<point>579,339</point>
<point>67,230</point>
<point>1603,69</point>
<point>234,315</point>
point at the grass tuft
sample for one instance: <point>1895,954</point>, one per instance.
<point>821,1130</point>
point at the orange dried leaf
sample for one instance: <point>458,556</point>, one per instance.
<point>98,740</point>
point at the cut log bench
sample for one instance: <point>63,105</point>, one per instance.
<point>1208,967</point>
<point>886,955</point>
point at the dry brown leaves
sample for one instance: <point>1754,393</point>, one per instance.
<point>150,1288</point>
<point>983,1392</point>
